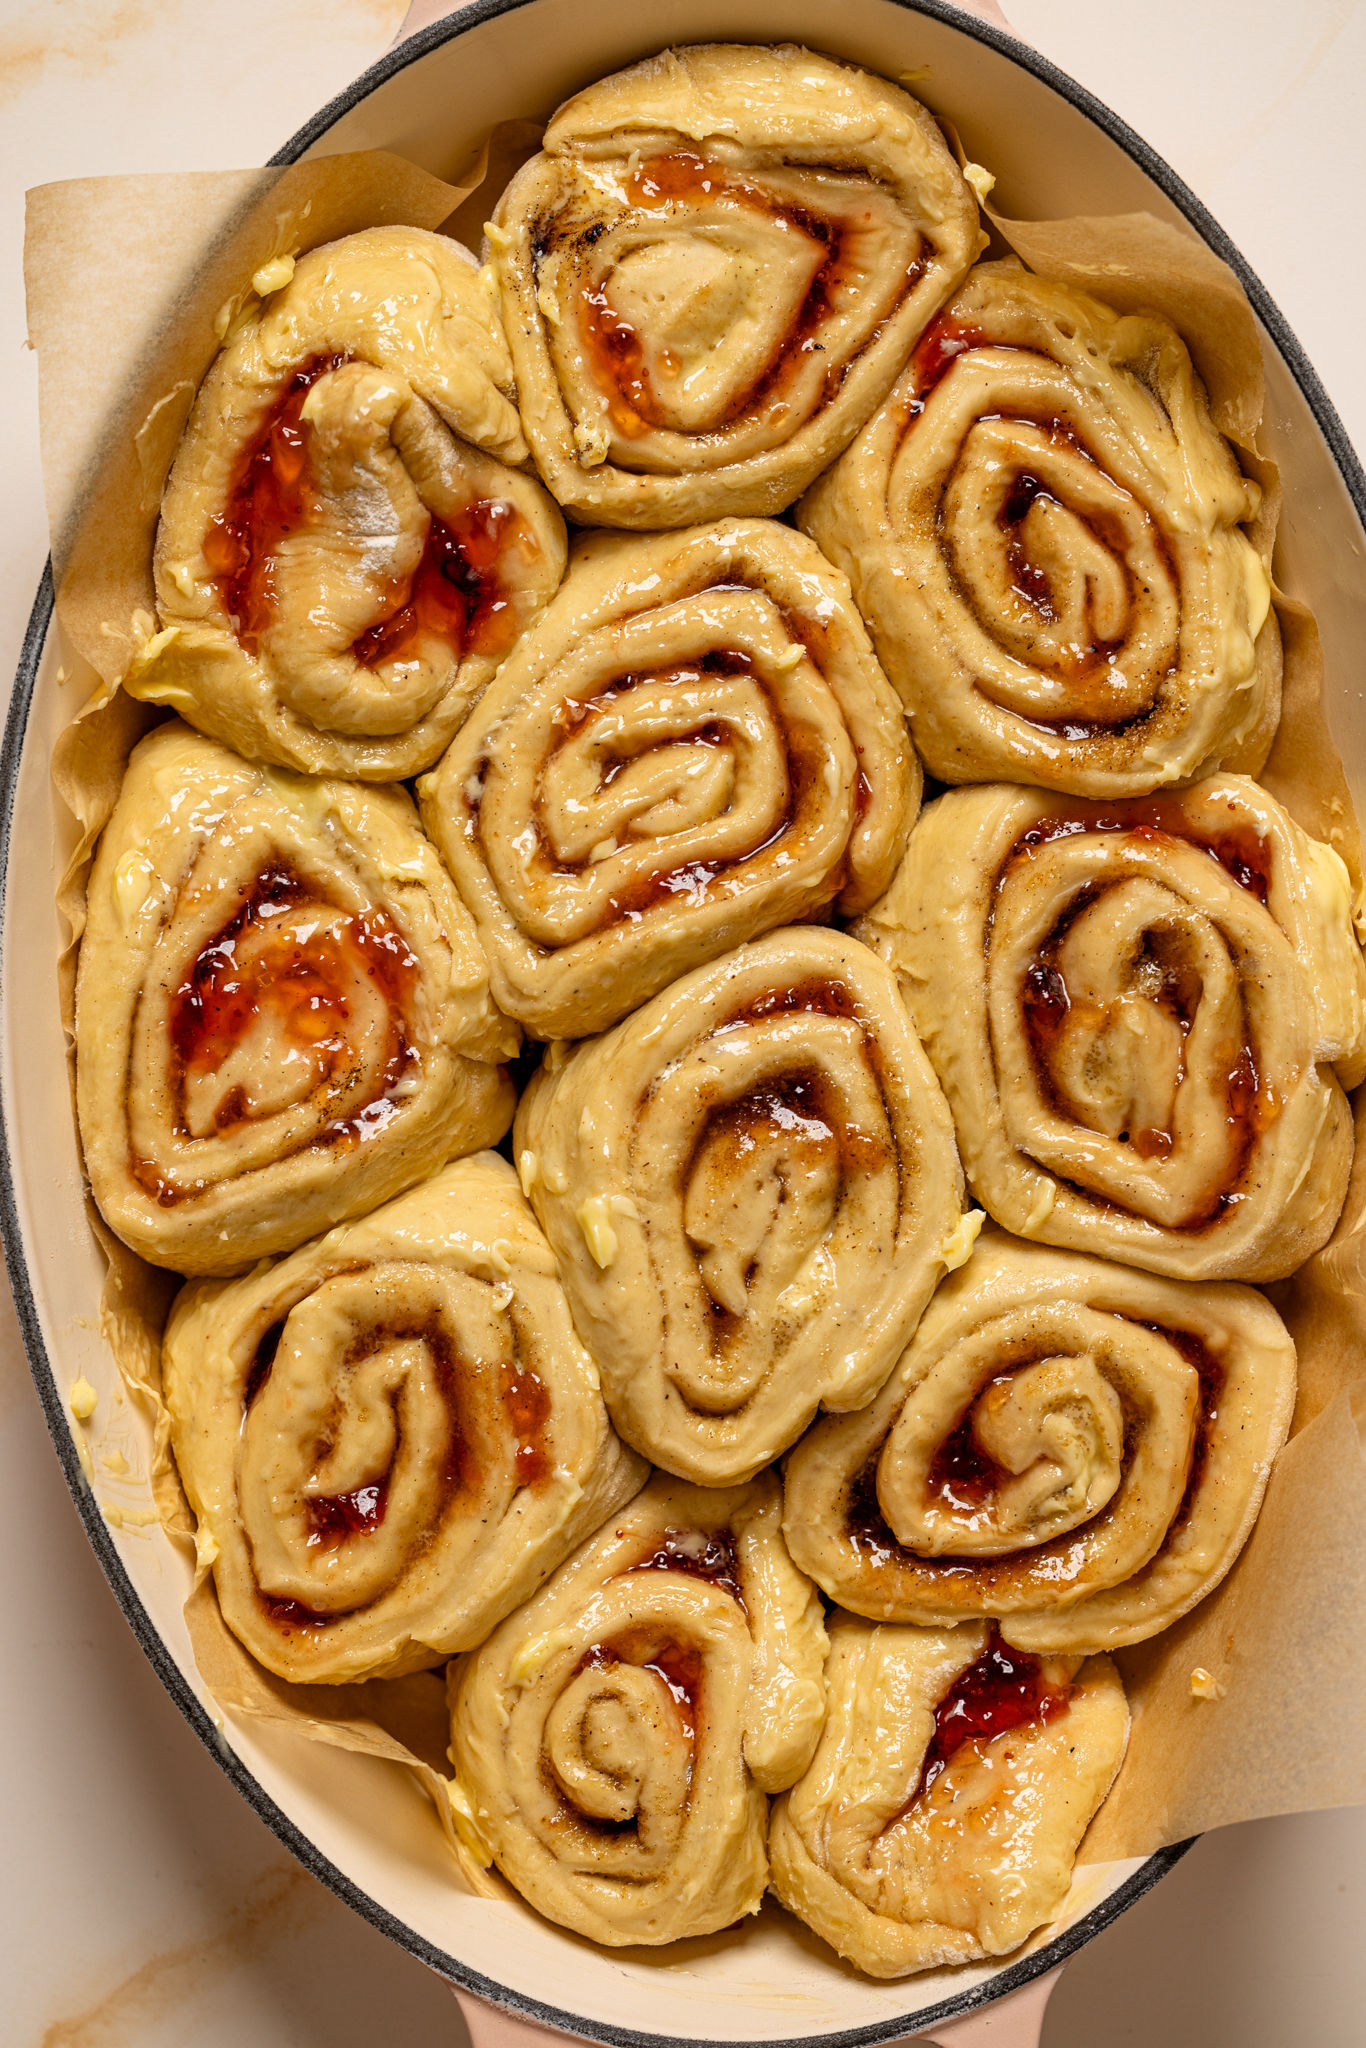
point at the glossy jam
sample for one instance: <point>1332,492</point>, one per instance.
<point>333,1517</point>
<point>709,1555</point>
<point>302,984</point>
<point>938,349</point>
<point>270,496</point>
<point>1004,1689</point>
<point>818,998</point>
<point>1239,850</point>
<point>456,595</point>
<point>526,1403</point>
<point>678,1665</point>
<point>960,1471</point>
<point>612,344</point>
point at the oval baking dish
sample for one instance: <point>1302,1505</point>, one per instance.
<point>359,1824</point>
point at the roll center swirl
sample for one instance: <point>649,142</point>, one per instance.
<point>293,1002</point>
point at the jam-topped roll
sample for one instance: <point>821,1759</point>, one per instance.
<point>1044,531</point>
<point>617,1736</point>
<point>694,744</point>
<point>282,1011</point>
<point>941,1818</point>
<point>391,1437</point>
<point>344,555</point>
<point>1143,1014</point>
<point>1072,1447</point>
<point>715,270</point>
<point>752,1187</point>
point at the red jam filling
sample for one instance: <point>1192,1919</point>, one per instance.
<point>960,1471</point>
<point>1004,1689</point>
<point>936,352</point>
<point>526,1403</point>
<point>1239,850</point>
<point>677,1665</point>
<point>302,983</point>
<point>615,348</point>
<point>456,594</point>
<point>709,1555</point>
<point>270,496</point>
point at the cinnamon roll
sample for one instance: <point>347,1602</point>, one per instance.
<point>940,1820</point>
<point>693,745</point>
<point>393,1436</point>
<point>751,1186</point>
<point>1072,1447</point>
<point>282,1012</point>
<point>1045,532</point>
<point>1143,1015</point>
<point>344,555</point>
<point>616,1737</point>
<point>714,271</point>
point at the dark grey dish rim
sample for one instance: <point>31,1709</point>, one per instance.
<point>1055,1952</point>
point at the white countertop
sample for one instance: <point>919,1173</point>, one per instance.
<point>144,1905</point>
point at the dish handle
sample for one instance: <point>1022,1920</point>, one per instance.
<point>1013,2022</point>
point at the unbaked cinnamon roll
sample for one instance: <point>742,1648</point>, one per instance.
<point>1044,531</point>
<point>752,1187</point>
<point>693,745</point>
<point>616,1737</point>
<point>715,270</point>
<point>1143,1015</point>
<point>344,555</point>
<point>1072,1447</point>
<point>282,1011</point>
<point>393,1436</point>
<point>940,1820</point>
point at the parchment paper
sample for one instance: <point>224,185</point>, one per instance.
<point>1282,1636</point>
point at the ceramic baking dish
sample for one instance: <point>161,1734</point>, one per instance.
<point>361,1825</point>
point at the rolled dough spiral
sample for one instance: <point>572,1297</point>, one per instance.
<point>1045,533</point>
<point>344,554</point>
<point>616,1737</point>
<point>391,1437</point>
<point>1073,1447</point>
<point>714,271</point>
<point>914,1844</point>
<point>282,1011</point>
<point>1143,1016</point>
<point>751,1186</point>
<point>693,745</point>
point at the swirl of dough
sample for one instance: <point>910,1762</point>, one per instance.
<point>695,743</point>
<point>617,1735</point>
<point>1073,1447</point>
<point>282,1011</point>
<point>715,270</point>
<point>344,556</point>
<point>941,1817</point>
<point>1143,1016</point>
<point>752,1187</point>
<point>1043,529</point>
<point>393,1436</point>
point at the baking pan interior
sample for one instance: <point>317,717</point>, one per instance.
<point>360,1824</point>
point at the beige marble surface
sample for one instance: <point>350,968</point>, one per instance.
<point>144,1906</point>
